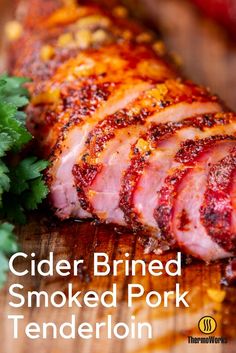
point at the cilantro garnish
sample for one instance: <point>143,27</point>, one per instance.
<point>21,184</point>
<point>8,245</point>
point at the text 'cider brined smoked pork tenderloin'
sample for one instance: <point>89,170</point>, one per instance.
<point>129,141</point>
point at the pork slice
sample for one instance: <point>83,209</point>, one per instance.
<point>63,193</point>
<point>217,210</point>
<point>181,197</point>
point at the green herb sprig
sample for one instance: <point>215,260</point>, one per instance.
<point>21,184</point>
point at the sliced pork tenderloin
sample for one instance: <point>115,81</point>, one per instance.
<point>106,156</point>
<point>178,209</point>
<point>128,141</point>
<point>153,156</point>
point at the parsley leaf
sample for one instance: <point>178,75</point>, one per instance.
<point>36,193</point>
<point>6,142</point>
<point>8,245</point>
<point>28,169</point>
<point>12,91</point>
<point>4,180</point>
<point>21,182</point>
<point>12,126</point>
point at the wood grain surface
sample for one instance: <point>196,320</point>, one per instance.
<point>74,240</point>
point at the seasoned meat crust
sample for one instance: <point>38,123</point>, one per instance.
<point>129,141</point>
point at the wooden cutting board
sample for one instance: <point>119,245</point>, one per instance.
<point>73,240</point>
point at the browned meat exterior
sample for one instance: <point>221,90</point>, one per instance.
<point>129,141</point>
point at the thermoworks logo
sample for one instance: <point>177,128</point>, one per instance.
<point>207,325</point>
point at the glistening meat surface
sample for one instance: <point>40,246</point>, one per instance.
<point>152,159</point>
<point>129,141</point>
